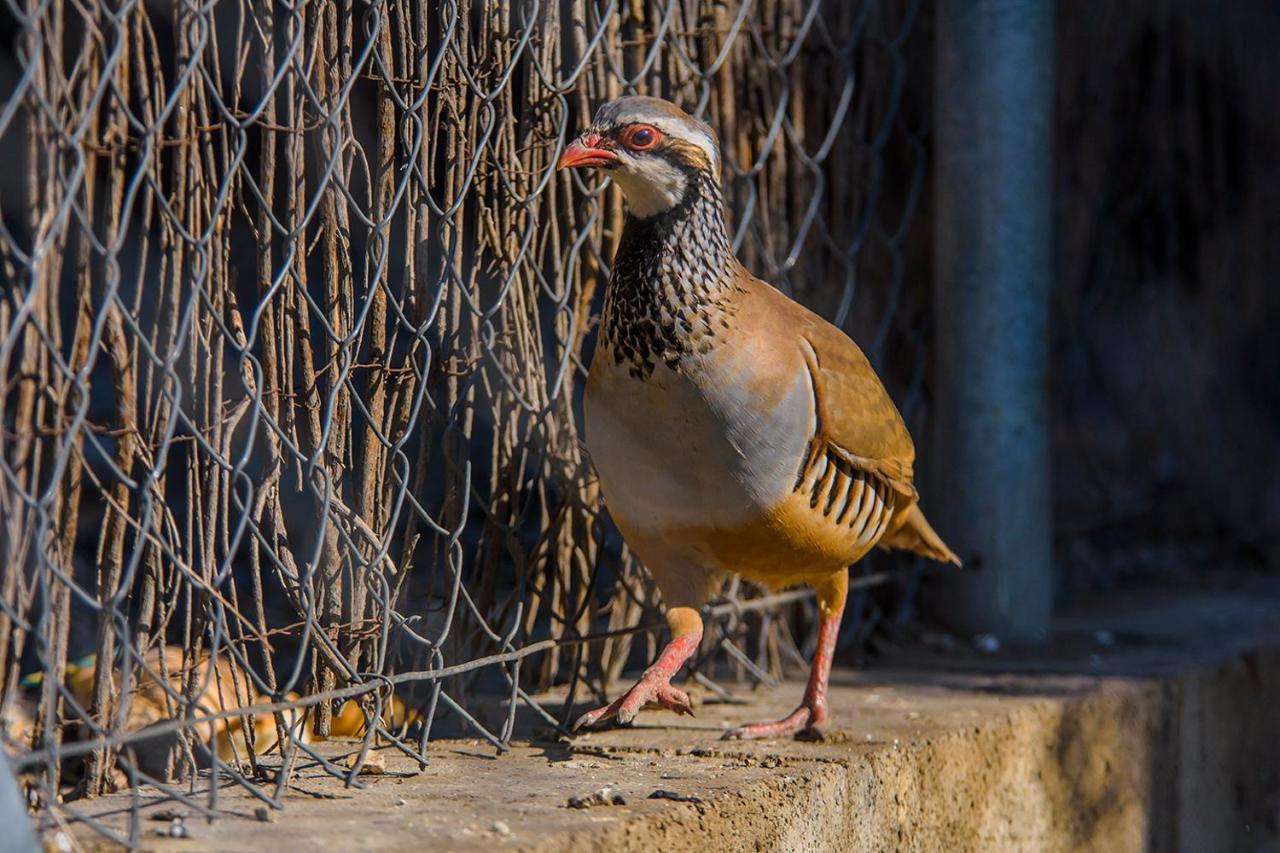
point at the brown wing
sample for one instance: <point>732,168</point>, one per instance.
<point>858,424</point>
<point>856,416</point>
<point>859,421</point>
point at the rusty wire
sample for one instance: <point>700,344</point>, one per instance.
<point>295,314</point>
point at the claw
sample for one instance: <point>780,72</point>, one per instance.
<point>649,690</point>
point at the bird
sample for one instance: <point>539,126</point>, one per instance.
<point>732,430</point>
<point>352,721</point>
<point>222,686</point>
<point>226,686</point>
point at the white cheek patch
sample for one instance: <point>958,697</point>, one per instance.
<point>650,184</point>
<point>704,141</point>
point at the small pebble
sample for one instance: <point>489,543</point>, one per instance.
<point>168,814</point>
<point>603,797</point>
<point>375,764</point>
<point>178,829</point>
<point>262,814</point>
<point>402,802</point>
<point>500,828</point>
<point>663,794</point>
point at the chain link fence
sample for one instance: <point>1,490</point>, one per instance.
<point>294,315</point>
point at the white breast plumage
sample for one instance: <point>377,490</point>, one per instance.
<point>692,448</point>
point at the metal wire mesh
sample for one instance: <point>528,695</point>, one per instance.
<point>295,312</point>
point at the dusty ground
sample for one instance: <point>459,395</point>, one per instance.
<point>1160,732</point>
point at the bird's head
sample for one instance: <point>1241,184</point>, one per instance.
<point>650,147</point>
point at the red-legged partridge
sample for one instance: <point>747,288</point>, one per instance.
<point>734,431</point>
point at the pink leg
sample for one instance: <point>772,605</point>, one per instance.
<point>812,713</point>
<point>655,685</point>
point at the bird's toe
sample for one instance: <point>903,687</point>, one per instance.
<point>647,691</point>
<point>674,699</point>
<point>590,718</point>
<point>801,723</point>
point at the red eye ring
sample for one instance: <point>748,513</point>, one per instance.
<point>641,137</point>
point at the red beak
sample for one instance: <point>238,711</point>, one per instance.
<point>586,151</point>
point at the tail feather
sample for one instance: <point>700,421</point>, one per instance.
<point>916,535</point>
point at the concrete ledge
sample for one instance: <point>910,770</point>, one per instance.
<point>1007,763</point>
<point>1171,742</point>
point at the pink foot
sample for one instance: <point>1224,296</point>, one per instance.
<point>805,720</point>
<point>653,688</point>
<point>808,719</point>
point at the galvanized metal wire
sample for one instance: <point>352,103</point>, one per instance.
<point>294,315</point>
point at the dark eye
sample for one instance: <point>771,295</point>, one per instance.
<point>642,137</point>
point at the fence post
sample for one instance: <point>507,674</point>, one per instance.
<point>993,107</point>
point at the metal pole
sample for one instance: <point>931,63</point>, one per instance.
<point>993,104</point>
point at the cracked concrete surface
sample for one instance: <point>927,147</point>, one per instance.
<point>1167,739</point>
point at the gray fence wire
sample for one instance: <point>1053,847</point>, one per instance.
<point>294,314</point>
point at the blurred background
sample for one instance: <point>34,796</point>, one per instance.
<point>1166,431</point>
